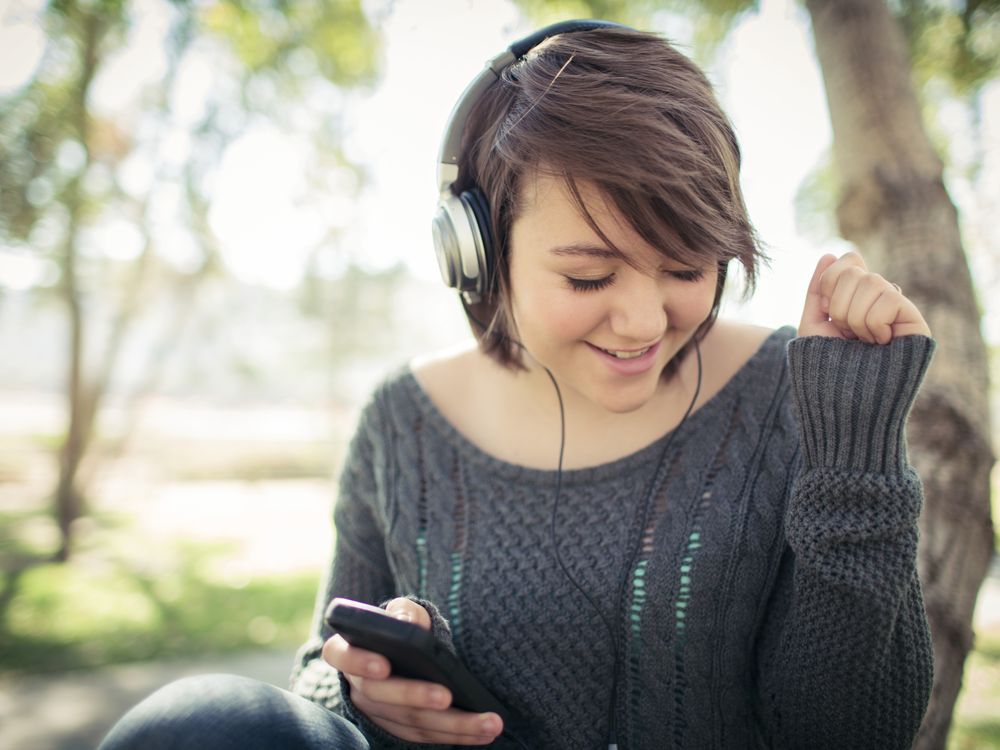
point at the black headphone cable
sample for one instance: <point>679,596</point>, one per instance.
<point>612,722</point>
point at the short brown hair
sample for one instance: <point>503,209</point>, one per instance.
<point>625,111</point>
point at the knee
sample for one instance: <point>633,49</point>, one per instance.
<point>185,713</point>
<point>226,711</point>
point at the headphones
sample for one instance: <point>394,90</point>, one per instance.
<point>463,237</point>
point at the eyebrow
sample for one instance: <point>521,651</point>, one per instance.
<point>586,250</point>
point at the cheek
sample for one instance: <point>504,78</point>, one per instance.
<point>574,319</point>
<point>692,305</point>
<point>552,315</point>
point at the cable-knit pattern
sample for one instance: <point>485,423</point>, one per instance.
<point>778,601</point>
<point>457,555</point>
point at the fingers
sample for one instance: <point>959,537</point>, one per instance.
<point>813,312</point>
<point>444,737</point>
<point>349,659</point>
<point>449,726</point>
<point>402,691</point>
<point>848,267</point>
<point>406,609</point>
<point>884,309</point>
<point>414,710</point>
<point>352,660</point>
<point>846,300</point>
<point>851,300</point>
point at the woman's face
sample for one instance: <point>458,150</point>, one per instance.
<point>603,323</point>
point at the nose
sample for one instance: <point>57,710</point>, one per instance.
<point>638,314</point>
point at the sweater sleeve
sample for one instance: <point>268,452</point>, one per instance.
<point>359,570</point>
<point>844,655</point>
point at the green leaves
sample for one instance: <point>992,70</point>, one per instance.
<point>273,35</point>
<point>956,43</point>
<point>711,20</point>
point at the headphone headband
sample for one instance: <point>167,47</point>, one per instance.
<point>450,146</point>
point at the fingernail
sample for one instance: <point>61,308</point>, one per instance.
<point>490,723</point>
<point>402,615</point>
<point>374,668</point>
<point>439,697</point>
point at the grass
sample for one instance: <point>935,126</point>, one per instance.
<point>87,615</point>
<point>131,594</point>
<point>977,722</point>
<point>122,598</point>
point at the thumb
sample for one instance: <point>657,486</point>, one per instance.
<point>813,314</point>
<point>406,609</point>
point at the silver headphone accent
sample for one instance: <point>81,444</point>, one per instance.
<point>460,246</point>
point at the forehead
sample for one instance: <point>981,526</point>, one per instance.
<point>551,220</point>
<point>546,195</point>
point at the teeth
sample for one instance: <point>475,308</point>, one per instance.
<point>627,355</point>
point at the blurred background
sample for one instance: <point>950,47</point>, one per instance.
<point>214,241</point>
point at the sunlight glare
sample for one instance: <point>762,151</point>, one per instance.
<point>259,213</point>
<point>22,42</point>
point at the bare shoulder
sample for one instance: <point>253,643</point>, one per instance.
<point>735,341</point>
<point>726,348</point>
<point>446,367</point>
<point>452,378</point>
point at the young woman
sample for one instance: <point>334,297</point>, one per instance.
<point>635,523</point>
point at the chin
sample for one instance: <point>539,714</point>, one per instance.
<point>624,401</point>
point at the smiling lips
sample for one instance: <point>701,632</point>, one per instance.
<point>628,361</point>
<point>626,354</point>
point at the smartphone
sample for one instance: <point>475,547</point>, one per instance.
<point>412,651</point>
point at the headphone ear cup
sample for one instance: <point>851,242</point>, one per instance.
<point>463,242</point>
<point>475,201</point>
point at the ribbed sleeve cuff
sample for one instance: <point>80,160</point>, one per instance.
<point>853,399</point>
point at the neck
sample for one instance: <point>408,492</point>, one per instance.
<point>595,434</point>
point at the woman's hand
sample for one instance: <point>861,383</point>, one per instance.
<point>413,710</point>
<point>845,300</point>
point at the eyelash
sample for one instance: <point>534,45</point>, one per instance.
<point>592,285</point>
<point>693,275</point>
<point>589,285</point>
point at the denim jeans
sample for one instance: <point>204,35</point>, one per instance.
<point>219,712</point>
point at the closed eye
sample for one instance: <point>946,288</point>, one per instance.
<point>691,274</point>
<point>589,285</point>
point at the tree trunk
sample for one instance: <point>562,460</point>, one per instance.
<point>81,404</point>
<point>895,209</point>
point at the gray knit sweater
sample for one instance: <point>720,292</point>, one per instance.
<point>773,600</point>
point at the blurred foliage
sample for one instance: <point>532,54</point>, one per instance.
<point>111,192</point>
<point>815,201</point>
<point>711,19</point>
<point>332,39</point>
<point>957,42</point>
<point>976,725</point>
<point>59,617</point>
<point>265,57</point>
